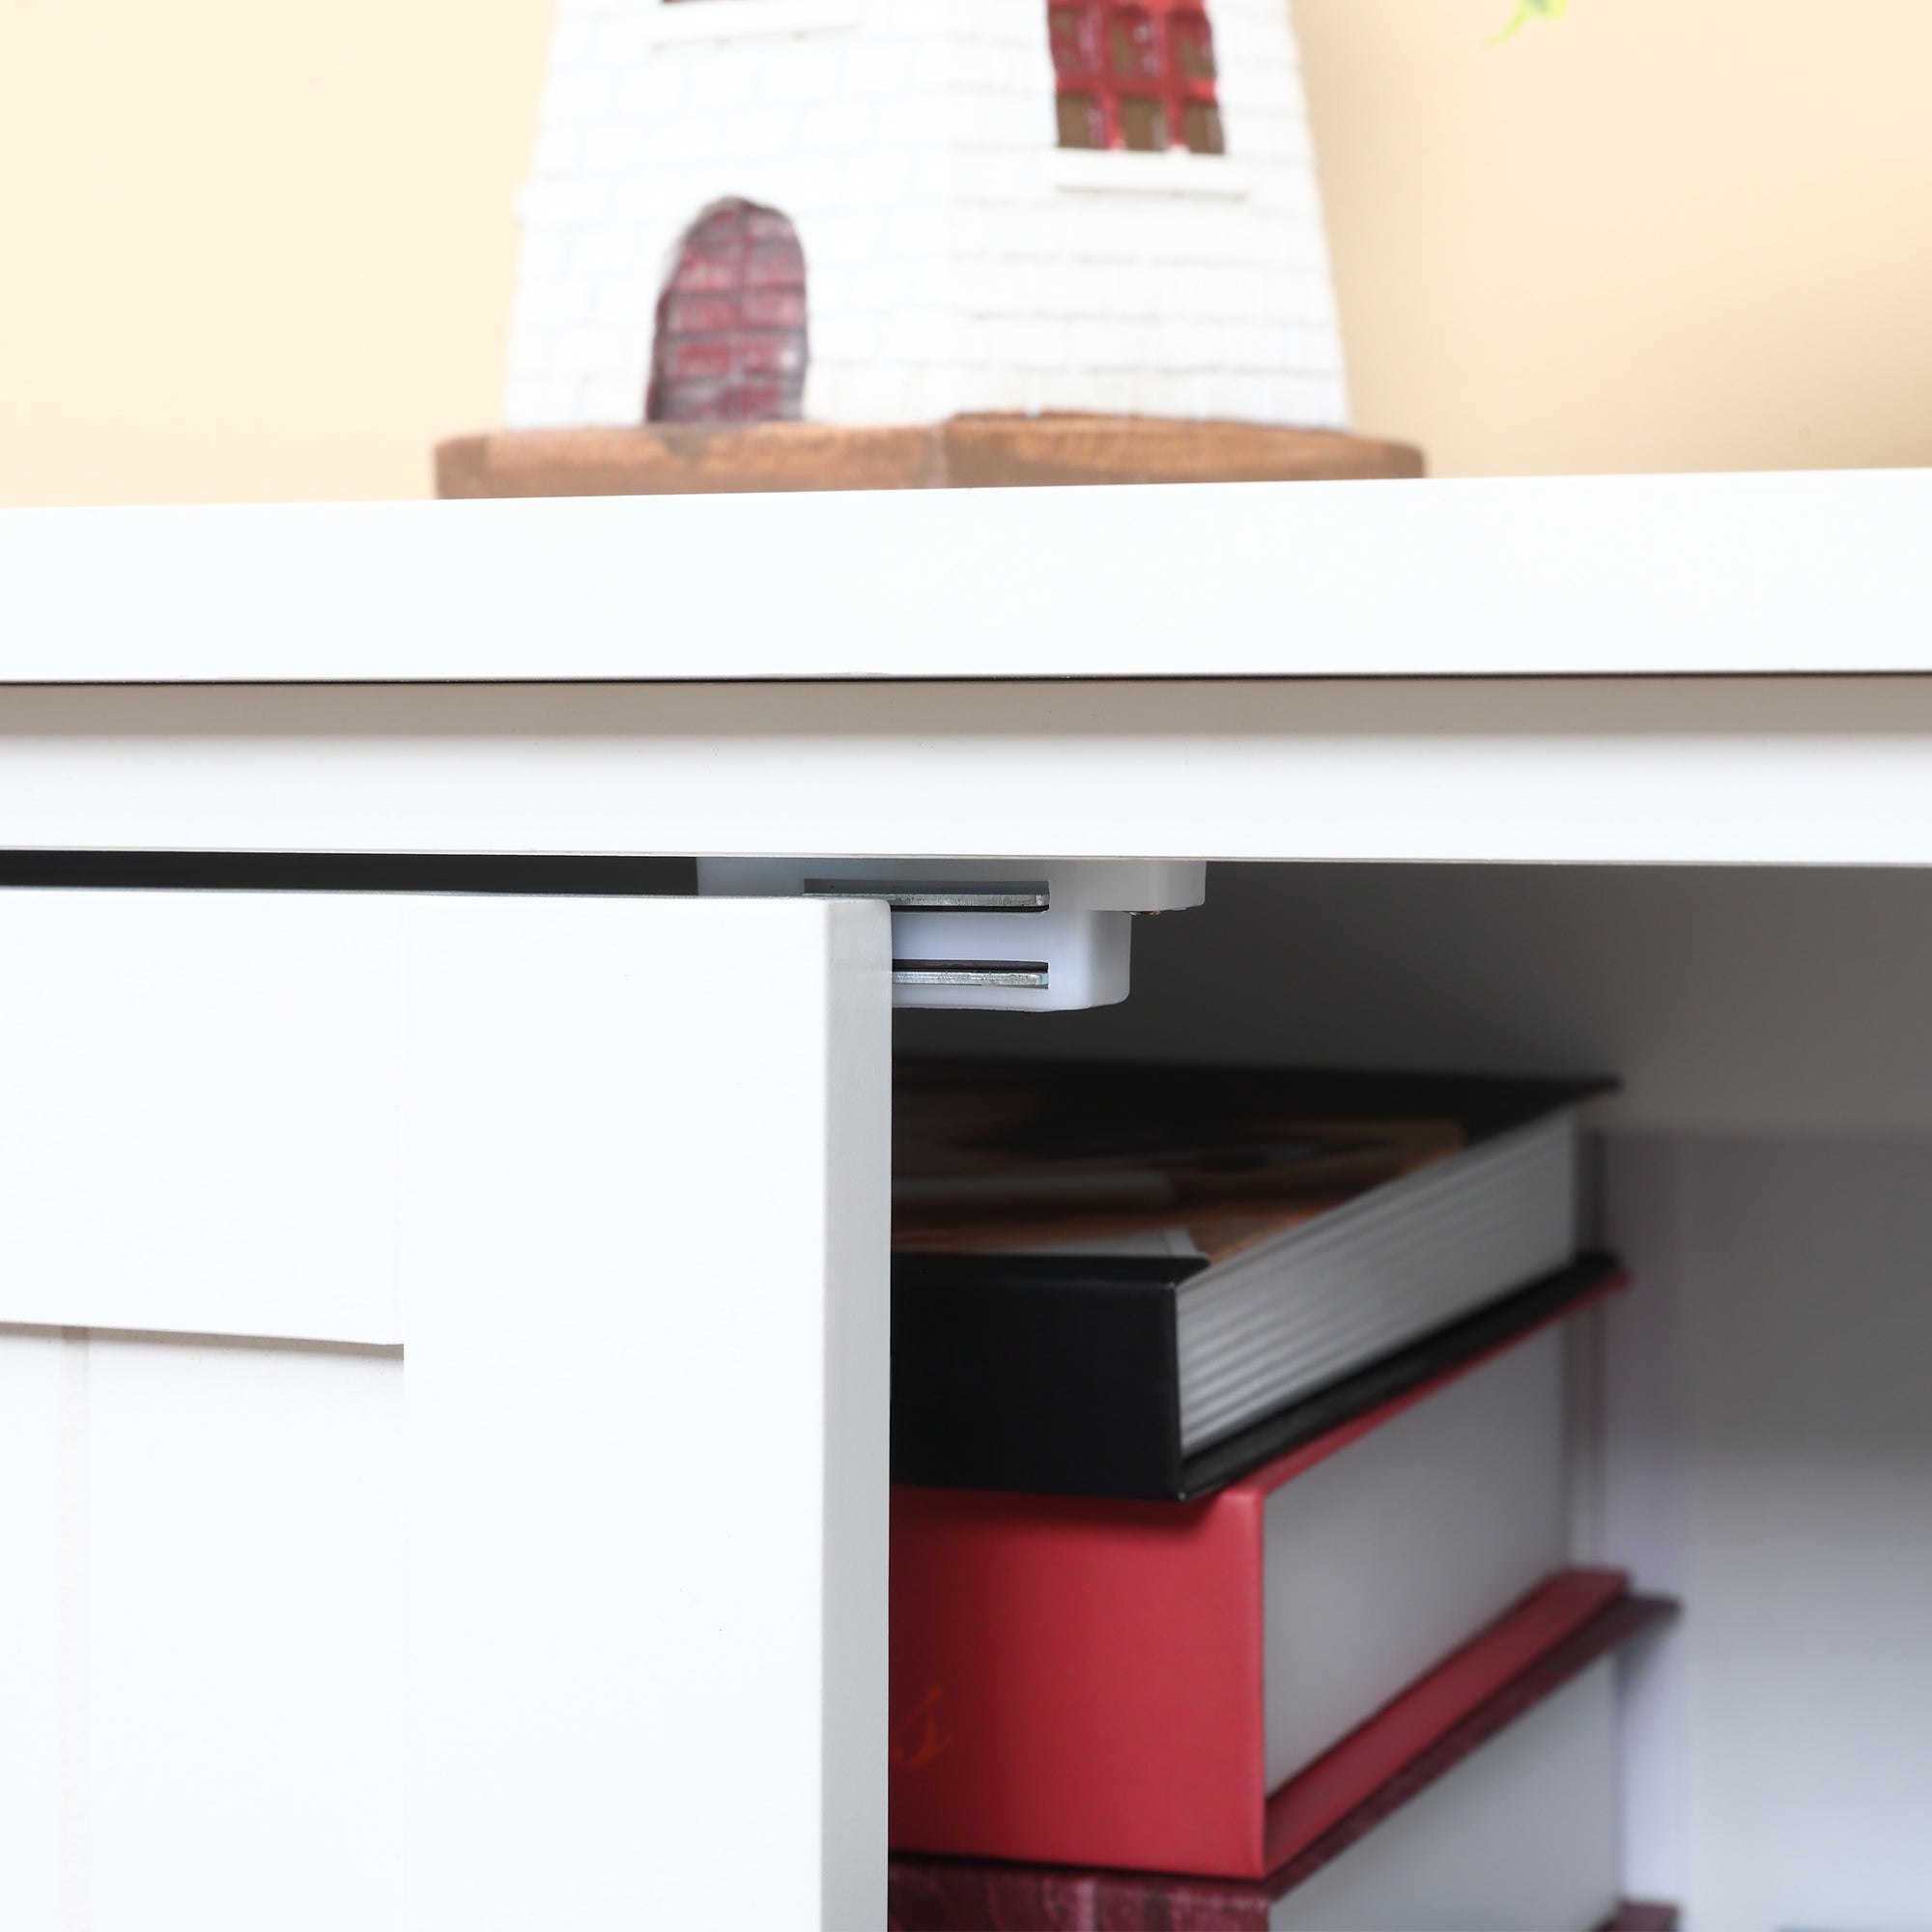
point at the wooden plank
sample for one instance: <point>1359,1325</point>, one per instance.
<point>685,460</point>
<point>968,452</point>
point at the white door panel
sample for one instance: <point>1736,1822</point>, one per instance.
<point>544,1581</point>
<point>243,1651</point>
<point>37,1574</point>
<point>200,1095</point>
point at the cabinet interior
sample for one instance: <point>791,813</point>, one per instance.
<point>1757,1438</point>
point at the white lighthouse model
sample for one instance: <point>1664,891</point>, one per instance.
<point>898,211</point>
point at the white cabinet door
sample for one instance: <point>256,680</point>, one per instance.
<point>443,1412</point>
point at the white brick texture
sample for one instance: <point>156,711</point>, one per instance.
<point>956,258</point>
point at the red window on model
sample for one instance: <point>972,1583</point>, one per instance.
<point>731,342</point>
<point>1135,74</point>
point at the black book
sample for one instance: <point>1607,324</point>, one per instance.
<point>1143,1281</point>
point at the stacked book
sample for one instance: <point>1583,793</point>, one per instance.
<point>1231,1555</point>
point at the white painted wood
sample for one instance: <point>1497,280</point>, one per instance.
<point>576,1615</point>
<point>1818,771</point>
<point>385,1070</point>
<point>32,1674</point>
<point>1807,1496</point>
<point>1816,571</point>
<point>246,1635</point>
<point>849,1404</point>
<point>1644,1474</point>
<point>646,1257</point>
<point>198,1126</point>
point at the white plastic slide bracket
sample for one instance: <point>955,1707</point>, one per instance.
<point>1010,935</point>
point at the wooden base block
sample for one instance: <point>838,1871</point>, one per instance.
<point>968,452</point>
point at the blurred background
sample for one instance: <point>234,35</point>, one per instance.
<point>254,250</point>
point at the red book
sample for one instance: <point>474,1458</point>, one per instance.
<point>1507,1820</point>
<point>1211,1687</point>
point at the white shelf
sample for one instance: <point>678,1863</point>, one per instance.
<point>1711,771</point>
<point>1640,576</point>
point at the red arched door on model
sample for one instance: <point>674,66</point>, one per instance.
<point>730,336</point>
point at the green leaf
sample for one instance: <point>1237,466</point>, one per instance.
<point>1527,11</point>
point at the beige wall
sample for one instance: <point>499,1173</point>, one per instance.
<point>1658,234</point>
<point>257,249</point>
<point>254,248</point>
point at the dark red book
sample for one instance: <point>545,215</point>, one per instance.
<point>1505,1823</point>
<point>1211,1687</point>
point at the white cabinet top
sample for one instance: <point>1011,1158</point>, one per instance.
<point>1819,572</point>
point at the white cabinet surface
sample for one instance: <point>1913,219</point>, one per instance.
<point>454,1491</point>
<point>442,1356</point>
<point>1821,572</point>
